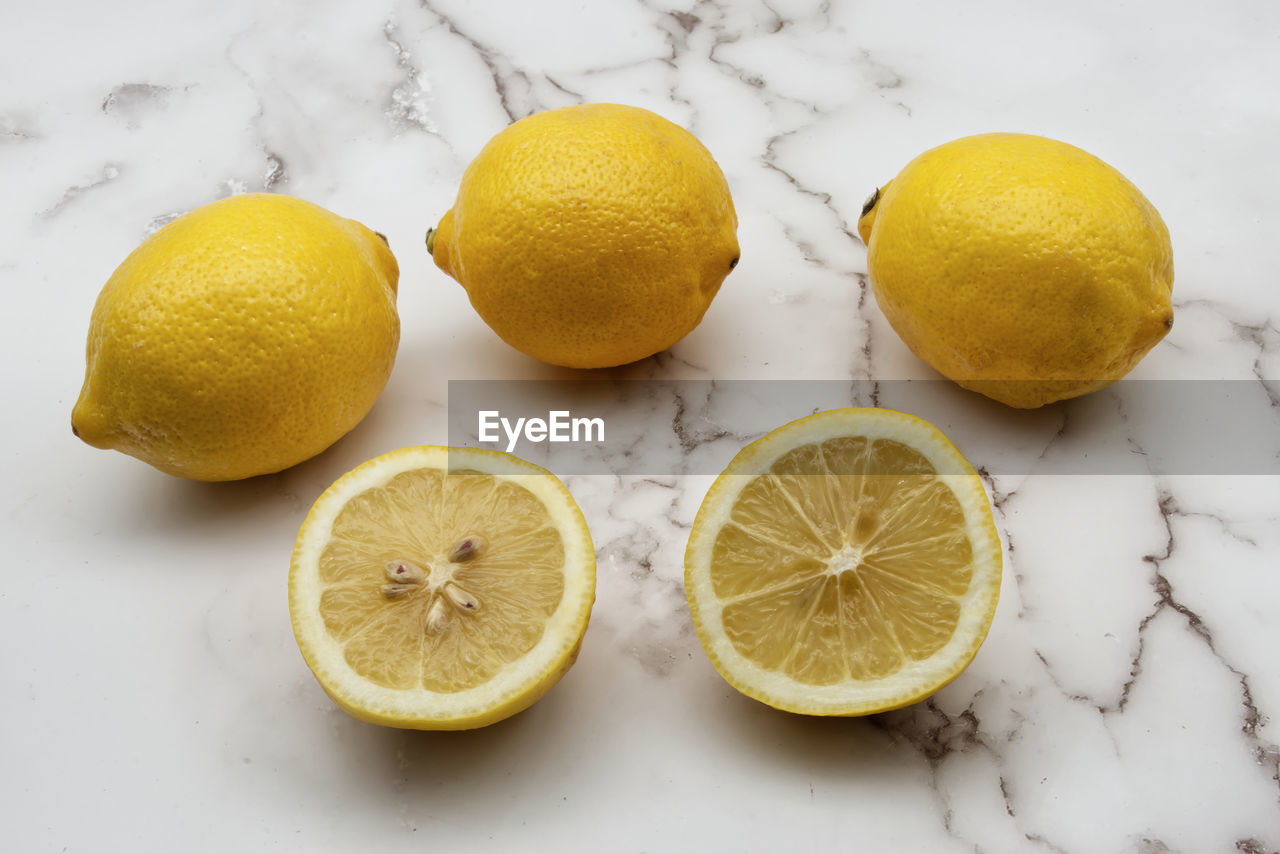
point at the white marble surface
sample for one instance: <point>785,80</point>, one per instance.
<point>1127,697</point>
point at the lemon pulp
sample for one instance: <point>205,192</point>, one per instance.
<point>845,564</point>
<point>418,515</point>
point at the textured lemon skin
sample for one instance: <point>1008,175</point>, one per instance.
<point>590,236</point>
<point>1020,267</point>
<point>240,339</point>
<point>425,711</point>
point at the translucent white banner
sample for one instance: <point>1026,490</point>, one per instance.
<point>696,426</point>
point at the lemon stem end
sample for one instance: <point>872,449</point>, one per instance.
<point>870,202</point>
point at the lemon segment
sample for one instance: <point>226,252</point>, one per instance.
<point>441,588</point>
<point>846,563</point>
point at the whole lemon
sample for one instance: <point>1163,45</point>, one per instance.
<point>240,339</point>
<point>590,236</point>
<point>1021,267</point>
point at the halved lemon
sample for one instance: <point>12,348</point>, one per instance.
<point>846,563</point>
<point>441,588</point>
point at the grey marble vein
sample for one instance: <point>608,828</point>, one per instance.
<point>109,173</point>
<point>513,86</point>
<point>1266,753</point>
<point>132,101</point>
<point>408,107</point>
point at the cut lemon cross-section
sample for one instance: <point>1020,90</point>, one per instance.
<point>844,564</point>
<point>441,588</point>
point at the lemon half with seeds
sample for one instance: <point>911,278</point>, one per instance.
<point>846,563</point>
<point>441,588</point>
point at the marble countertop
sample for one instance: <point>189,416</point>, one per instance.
<point>1128,696</point>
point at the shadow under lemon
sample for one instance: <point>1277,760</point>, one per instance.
<point>145,499</point>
